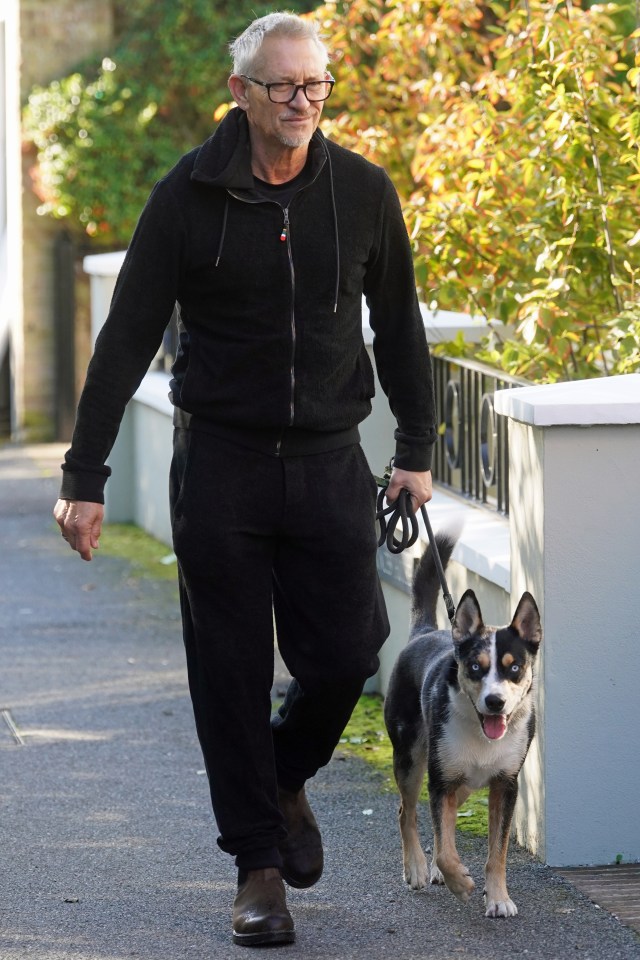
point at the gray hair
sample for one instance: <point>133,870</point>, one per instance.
<point>245,49</point>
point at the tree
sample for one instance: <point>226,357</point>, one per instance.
<point>105,133</point>
<point>513,134</point>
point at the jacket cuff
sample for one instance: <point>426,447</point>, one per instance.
<point>83,484</point>
<point>412,453</point>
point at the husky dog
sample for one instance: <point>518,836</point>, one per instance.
<point>460,706</point>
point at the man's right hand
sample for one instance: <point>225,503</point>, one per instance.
<point>81,524</point>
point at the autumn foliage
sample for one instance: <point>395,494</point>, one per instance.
<point>512,133</point>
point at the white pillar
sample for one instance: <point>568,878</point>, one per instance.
<point>574,463</point>
<point>103,268</point>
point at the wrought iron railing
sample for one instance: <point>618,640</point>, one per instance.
<point>472,453</point>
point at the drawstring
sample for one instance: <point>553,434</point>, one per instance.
<point>224,228</point>
<point>335,227</point>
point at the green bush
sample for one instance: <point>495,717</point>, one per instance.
<point>108,131</point>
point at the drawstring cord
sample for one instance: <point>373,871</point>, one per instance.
<point>400,512</point>
<point>224,228</point>
<point>335,227</point>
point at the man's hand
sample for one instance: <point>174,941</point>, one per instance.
<point>418,484</point>
<point>81,524</point>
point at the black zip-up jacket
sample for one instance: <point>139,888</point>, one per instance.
<point>270,305</point>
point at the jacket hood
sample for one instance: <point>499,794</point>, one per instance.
<point>224,160</point>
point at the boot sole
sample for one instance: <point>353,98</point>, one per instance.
<point>297,883</point>
<point>265,938</point>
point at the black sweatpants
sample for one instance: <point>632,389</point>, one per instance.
<point>257,535</point>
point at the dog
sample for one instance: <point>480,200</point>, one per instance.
<point>460,706</point>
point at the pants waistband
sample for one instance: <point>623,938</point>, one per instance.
<point>285,442</point>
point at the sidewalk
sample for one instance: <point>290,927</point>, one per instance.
<point>107,844</point>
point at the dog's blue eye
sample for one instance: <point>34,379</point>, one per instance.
<point>475,668</point>
<point>515,668</point>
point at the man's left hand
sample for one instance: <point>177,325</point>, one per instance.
<point>417,483</point>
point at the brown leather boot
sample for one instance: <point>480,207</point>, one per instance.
<point>260,914</point>
<point>302,855</point>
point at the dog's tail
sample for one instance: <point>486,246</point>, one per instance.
<point>426,583</point>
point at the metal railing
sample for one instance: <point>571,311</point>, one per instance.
<point>472,453</point>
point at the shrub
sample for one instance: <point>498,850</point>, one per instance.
<point>513,135</point>
<point>108,131</point>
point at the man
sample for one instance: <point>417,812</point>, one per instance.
<point>267,237</point>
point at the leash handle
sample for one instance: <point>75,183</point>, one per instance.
<point>400,512</point>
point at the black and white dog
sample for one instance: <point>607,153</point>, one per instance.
<point>460,706</point>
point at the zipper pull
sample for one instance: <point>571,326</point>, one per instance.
<point>285,228</point>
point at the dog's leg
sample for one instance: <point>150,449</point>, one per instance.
<point>462,794</point>
<point>502,800</point>
<point>435,876</point>
<point>409,776</point>
<point>444,813</point>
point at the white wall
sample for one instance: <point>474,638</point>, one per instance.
<point>575,529</point>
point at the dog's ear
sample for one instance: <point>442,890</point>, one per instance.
<point>468,618</point>
<point>526,620</point>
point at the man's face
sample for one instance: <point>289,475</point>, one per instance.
<point>284,124</point>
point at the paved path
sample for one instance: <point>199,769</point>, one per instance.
<point>107,846</point>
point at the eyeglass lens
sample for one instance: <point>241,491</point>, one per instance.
<point>286,92</point>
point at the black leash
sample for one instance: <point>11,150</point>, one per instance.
<point>400,512</point>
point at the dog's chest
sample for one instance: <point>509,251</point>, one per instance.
<point>464,752</point>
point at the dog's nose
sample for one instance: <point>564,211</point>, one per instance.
<point>494,703</point>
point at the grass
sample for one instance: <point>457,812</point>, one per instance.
<point>148,557</point>
<point>366,737</point>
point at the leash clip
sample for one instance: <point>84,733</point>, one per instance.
<point>384,480</point>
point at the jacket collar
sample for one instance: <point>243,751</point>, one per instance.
<point>224,160</point>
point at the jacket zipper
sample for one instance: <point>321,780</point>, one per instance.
<point>284,238</point>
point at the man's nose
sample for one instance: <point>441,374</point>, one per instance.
<point>300,100</point>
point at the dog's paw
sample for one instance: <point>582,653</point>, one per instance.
<point>416,872</point>
<point>436,876</point>
<point>500,908</point>
<point>459,882</point>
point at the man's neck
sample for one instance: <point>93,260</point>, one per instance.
<point>280,167</point>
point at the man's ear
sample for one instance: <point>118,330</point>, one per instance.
<point>238,89</point>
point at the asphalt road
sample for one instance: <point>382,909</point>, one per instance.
<point>107,842</point>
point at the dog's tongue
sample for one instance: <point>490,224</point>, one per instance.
<point>494,726</point>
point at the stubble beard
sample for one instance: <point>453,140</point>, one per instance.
<point>301,140</point>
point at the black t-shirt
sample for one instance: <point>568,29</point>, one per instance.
<point>283,193</point>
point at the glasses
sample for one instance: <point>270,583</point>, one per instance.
<point>282,92</point>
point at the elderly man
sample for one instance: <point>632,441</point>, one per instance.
<point>267,237</point>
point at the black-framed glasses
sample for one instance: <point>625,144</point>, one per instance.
<point>281,92</point>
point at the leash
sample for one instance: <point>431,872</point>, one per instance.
<point>400,512</point>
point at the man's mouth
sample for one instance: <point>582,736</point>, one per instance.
<point>494,725</point>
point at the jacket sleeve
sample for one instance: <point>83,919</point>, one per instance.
<point>144,297</point>
<point>400,346</point>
